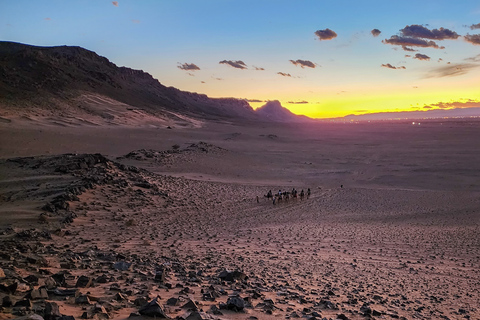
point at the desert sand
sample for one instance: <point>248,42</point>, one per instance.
<point>97,221</point>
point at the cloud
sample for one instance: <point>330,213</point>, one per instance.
<point>259,69</point>
<point>135,21</point>
<point>47,19</point>
<point>284,74</point>
<point>325,34</point>
<point>115,3</point>
<point>254,100</point>
<point>408,49</point>
<point>418,31</point>
<point>423,57</point>
<point>451,70</point>
<point>454,104</point>
<point>474,59</point>
<point>188,66</point>
<point>475,26</point>
<point>303,63</point>
<point>239,64</point>
<point>412,42</point>
<point>298,102</point>
<point>473,38</point>
<point>375,32</point>
<point>389,66</point>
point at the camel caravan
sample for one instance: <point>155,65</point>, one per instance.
<point>286,195</point>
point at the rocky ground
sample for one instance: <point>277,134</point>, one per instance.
<point>112,241</point>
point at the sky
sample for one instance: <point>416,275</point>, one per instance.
<point>319,58</point>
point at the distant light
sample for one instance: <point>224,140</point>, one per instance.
<point>413,123</point>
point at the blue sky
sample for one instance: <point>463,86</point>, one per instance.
<point>161,36</point>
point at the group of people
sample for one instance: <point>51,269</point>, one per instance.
<point>285,195</point>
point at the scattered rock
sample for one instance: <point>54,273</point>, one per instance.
<point>235,303</point>
<point>52,311</point>
<point>82,299</point>
<point>83,282</point>
<point>190,305</point>
<point>40,293</point>
<point>122,266</point>
<point>153,309</point>
<point>232,275</point>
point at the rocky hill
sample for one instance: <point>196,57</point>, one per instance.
<point>274,111</point>
<point>52,79</point>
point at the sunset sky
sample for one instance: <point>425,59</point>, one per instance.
<point>318,58</point>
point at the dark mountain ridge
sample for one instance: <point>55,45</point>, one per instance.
<point>32,76</point>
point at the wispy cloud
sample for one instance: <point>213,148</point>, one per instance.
<point>303,63</point>
<point>470,103</point>
<point>423,57</point>
<point>475,26</point>
<point>407,42</point>
<point>47,19</point>
<point>239,64</point>
<point>474,59</point>
<point>259,68</point>
<point>135,21</point>
<point>418,31</point>
<point>254,100</point>
<point>375,32</point>
<point>115,3</point>
<point>389,66</point>
<point>325,34</point>
<point>451,70</point>
<point>473,38</point>
<point>188,66</point>
<point>284,74</point>
<point>298,102</point>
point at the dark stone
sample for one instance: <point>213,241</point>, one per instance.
<point>65,292</point>
<point>83,282</point>
<point>194,315</point>
<point>102,279</point>
<point>7,302</point>
<point>214,310</point>
<point>235,303</point>
<point>160,275</point>
<point>40,293</point>
<point>232,275</point>
<point>52,312</point>
<point>190,305</point>
<point>10,289</point>
<point>31,279</point>
<point>140,301</point>
<point>153,309</point>
<point>172,302</point>
<point>365,309</point>
<point>327,304</point>
<point>23,303</point>
<point>120,297</point>
<point>59,278</point>
<point>82,299</point>
<point>50,283</point>
<point>342,317</point>
<point>122,265</point>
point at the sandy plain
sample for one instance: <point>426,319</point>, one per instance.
<point>390,230</point>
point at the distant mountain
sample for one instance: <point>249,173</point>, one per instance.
<point>53,79</point>
<point>415,115</point>
<point>274,111</point>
